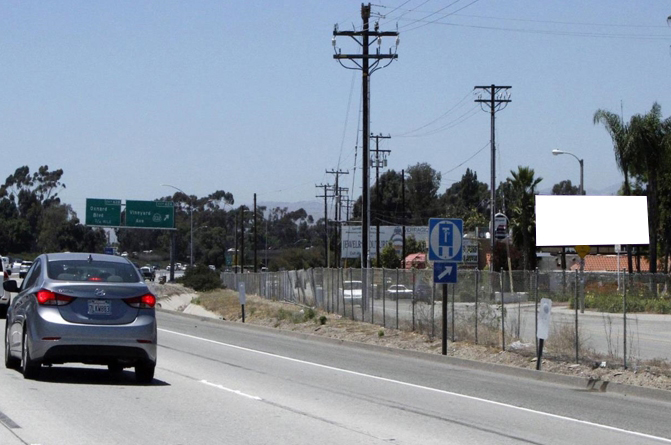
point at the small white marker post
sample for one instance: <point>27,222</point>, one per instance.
<point>243,298</point>
<point>543,329</point>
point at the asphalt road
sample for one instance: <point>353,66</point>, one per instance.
<point>219,382</point>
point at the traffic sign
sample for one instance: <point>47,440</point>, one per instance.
<point>500,226</point>
<point>103,212</point>
<point>582,251</point>
<point>445,239</point>
<point>444,273</point>
<point>150,214</point>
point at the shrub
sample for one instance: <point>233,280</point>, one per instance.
<point>200,278</point>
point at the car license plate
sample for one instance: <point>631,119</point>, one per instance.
<point>100,307</point>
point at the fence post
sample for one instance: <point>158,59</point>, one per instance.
<point>503,312</point>
<point>414,286</point>
<point>576,304</point>
<point>372,297</point>
<point>384,293</point>
<point>453,298</point>
<point>433,309</point>
<point>397,273</point>
<point>624,313</point>
<point>536,309</point>
<point>477,293</point>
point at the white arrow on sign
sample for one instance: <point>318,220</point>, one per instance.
<point>446,272</point>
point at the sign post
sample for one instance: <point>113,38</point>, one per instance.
<point>543,329</point>
<point>445,250</point>
<point>243,298</point>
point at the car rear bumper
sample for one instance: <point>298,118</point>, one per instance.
<point>54,340</point>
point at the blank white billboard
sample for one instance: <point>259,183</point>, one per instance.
<point>563,220</point>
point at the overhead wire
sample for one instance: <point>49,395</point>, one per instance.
<point>438,118</point>
<point>453,123</point>
<point>423,21</point>
<point>440,18</point>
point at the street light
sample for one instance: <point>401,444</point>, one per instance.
<point>562,152</point>
<point>191,217</point>
<point>582,260</point>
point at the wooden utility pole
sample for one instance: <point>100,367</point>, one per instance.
<point>498,99</point>
<point>326,221</point>
<point>378,162</point>
<point>336,217</point>
<point>363,62</point>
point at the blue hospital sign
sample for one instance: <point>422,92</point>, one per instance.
<point>445,237</point>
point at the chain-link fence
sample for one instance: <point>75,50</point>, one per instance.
<point>596,317</point>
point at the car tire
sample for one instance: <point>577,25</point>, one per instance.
<point>115,368</point>
<point>10,362</point>
<point>144,372</point>
<point>29,368</point>
<point>3,311</point>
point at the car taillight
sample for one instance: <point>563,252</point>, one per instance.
<point>6,275</point>
<point>49,298</point>
<point>146,301</point>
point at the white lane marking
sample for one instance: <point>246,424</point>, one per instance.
<point>234,391</point>
<point>412,385</point>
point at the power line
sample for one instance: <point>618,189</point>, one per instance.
<point>444,16</point>
<point>556,33</point>
<point>438,118</point>
<point>463,118</point>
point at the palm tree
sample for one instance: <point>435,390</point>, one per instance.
<point>619,132</point>
<point>523,187</point>
<point>649,149</point>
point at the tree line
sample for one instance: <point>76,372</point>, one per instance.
<point>33,219</point>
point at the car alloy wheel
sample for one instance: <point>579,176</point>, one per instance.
<point>29,367</point>
<point>10,362</point>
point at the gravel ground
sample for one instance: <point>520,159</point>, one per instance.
<point>280,315</point>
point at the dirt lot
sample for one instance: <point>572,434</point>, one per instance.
<point>290,317</point>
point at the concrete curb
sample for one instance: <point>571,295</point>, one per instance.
<point>585,383</point>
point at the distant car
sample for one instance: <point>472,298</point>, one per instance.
<point>4,296</point>
<point>398,291</point>
<point>82,308</point>
<point>148,273</point>
<point>23,269</point>
<point>6,263</point>
<point>211,266</point>
<point>423,292</point>
<point>352,292</point>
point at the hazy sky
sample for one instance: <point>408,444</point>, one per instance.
<point>245,96</point>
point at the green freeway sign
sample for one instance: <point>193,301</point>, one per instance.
<point>150,214</point>
<point>103,212</point>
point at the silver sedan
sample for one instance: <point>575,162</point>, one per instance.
<point>84,308</point>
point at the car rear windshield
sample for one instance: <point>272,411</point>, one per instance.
<point>83,270</point>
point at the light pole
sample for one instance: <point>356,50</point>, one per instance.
<point>562,152</point>
<point>190,216</point>
<point>557,152</point>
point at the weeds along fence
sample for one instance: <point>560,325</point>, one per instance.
<point>596,317</point>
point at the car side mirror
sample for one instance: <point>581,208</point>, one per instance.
<point>10,286</point>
